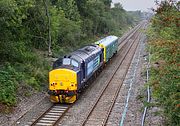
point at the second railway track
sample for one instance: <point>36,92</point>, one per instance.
<point>98,114</point>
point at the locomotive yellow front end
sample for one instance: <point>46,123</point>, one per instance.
<point>63,85</point>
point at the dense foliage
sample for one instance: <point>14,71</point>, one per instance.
<point>32,29</point>
<point>164,45</point>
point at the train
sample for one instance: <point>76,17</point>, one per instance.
<point>72,73</point>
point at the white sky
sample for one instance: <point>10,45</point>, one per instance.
<point>132,5</point>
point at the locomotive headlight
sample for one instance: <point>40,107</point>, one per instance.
<point>72,84</point>
<point>53,84</point>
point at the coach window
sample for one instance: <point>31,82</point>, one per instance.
<point>74,63</point>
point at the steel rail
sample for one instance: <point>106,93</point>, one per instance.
<point>54,121</point>
<point>116,95</point>
<point>103,90</point>
<point>129,35</point>
<point>129,93</point>
<point>41,116</point>
<point>130,88</point>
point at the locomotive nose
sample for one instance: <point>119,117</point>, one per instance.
<point>63,85</point>
<point>63,79</point>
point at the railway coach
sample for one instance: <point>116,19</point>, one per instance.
<point>71,73</point>
<point>110,46</point>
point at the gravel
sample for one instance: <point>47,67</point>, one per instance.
<point>35,105</point>
<point>34,112</point>
<point>21,109</point>
<point>134,109</point>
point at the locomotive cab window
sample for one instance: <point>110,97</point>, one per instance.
<point>74,63</point>
<point>66,61</point>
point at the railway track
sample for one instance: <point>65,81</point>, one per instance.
<point>98,114</point>
<point>56,112</point>
<point>122,41</point>
<point>51,116</point>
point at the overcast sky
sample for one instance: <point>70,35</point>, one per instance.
<point>130,5</point>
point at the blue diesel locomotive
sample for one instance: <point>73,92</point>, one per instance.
<point>71,73</point>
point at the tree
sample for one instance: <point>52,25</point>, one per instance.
<point>48,27</point>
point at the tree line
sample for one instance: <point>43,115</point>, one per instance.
<point>33,29</point>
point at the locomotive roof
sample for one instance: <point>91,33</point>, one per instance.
<point>85,52</point>
<point>106,41</point>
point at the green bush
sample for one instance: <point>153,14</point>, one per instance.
<point>164,47</point>
<point>12,76</point>
<point>8,84</point>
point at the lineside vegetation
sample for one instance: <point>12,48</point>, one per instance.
<point>164,45</point>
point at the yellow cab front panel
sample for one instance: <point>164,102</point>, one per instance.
<point>63,85</point>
